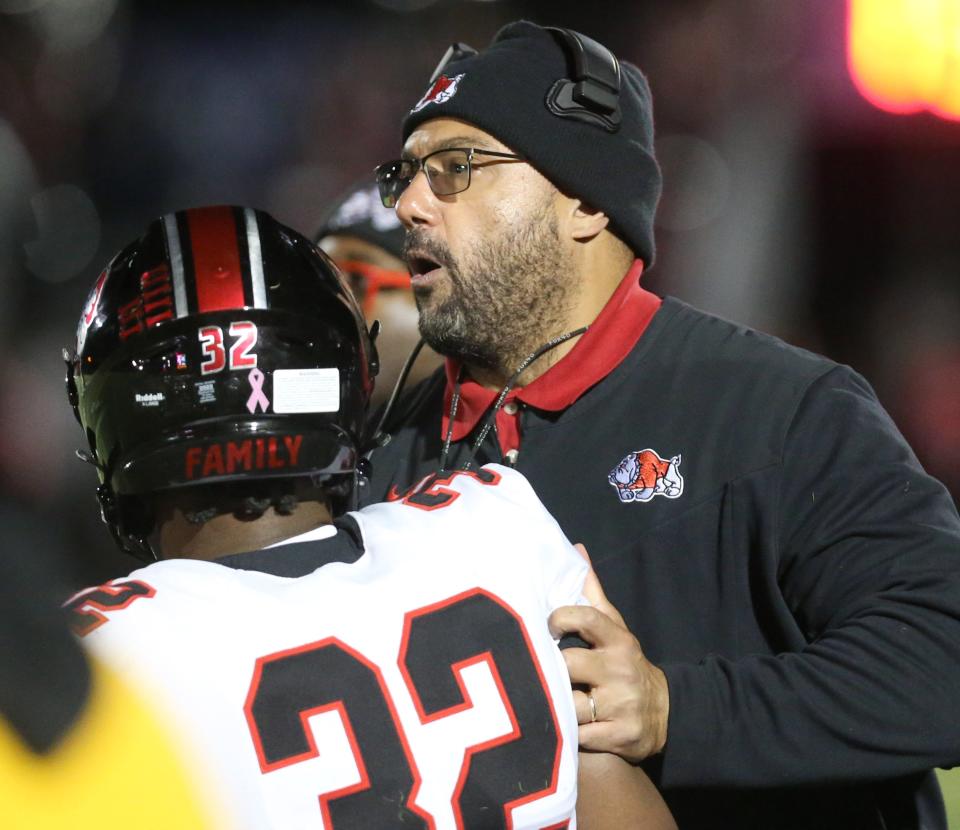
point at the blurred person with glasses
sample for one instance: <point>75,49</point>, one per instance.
<point>365,239</point>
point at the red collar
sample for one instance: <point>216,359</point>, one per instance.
<point>608,341</point>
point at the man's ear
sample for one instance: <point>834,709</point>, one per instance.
<point>586,222</point>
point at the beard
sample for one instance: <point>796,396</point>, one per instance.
<point>506,297</point>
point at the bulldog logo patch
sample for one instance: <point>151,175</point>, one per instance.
<point>643,474</point>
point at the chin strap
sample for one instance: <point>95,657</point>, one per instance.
<point>136,546</point>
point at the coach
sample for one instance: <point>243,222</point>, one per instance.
<point>789,571</point>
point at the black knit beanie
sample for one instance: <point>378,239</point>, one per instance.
<point>503,91</point>
<point>359,212</point>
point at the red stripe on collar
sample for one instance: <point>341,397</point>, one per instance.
<point>608,341</point>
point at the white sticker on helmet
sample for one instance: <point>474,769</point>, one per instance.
<point>306,390</point>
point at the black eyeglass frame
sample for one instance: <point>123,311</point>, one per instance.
<point>389,192</point>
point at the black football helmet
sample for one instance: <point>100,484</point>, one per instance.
<point>220,346</point>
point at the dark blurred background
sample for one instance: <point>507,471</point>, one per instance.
<point>792,203</point>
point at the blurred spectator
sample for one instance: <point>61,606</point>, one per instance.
<point>366,240</point>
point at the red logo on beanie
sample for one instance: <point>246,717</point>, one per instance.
<point>442,89</point>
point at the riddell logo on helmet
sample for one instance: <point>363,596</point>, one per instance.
<point>230,457</point>
<point>442,90</point>
<point>149,398</point>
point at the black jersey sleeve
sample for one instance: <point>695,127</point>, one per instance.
<point>869,566</point>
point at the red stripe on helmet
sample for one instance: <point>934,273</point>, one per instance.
<point>216,258</point>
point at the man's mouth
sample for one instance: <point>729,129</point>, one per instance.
<point>423,269</point>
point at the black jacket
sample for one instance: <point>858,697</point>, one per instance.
<point>802,592</point>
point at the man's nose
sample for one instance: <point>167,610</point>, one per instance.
<point>417,204</point>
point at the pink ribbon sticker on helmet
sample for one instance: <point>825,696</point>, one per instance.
<point>256,399</point>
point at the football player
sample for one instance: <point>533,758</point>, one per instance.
<point>391,667</point>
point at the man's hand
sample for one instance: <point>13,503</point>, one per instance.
<point>630,697</point>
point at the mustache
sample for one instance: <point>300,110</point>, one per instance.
<point>424,246</point>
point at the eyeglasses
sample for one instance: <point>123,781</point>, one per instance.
<point>367,280</point>
<point>447,172</point>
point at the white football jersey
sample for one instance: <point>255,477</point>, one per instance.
<point>416,685</point>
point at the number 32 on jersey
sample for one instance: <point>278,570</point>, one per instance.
<point>440,641</point>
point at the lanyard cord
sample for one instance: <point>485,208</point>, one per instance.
<point>454,406</point>
<point>492,416</point>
